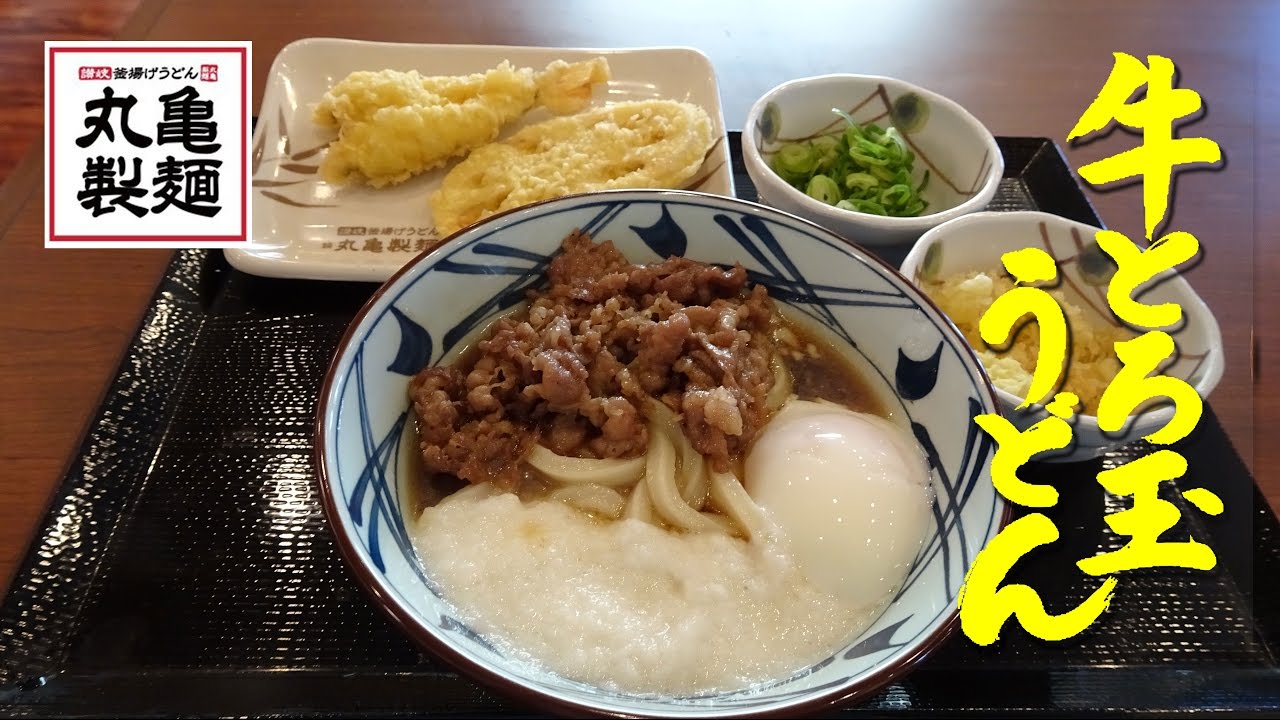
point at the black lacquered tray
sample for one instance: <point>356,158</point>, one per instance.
<point>184,567</point>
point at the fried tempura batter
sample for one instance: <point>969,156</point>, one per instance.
<point>393,125</point>
<point>644,144</point>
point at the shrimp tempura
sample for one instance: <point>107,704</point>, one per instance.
<point>393,125</point>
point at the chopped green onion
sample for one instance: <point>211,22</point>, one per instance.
<point>795,161</point>
<point>882,173</point>
<point>897,196</point>
<point>868,147</point>
<point>860,180</point>
<point>823,188</point>
<point>893,134</point>
<point>868,161</point>
<point>869,206</point>
<point>827,149</point>
<point>861,168</point>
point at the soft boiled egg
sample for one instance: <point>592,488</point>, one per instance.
<point>850,491</point>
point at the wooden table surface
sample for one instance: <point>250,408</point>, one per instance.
<point>1022,68</point>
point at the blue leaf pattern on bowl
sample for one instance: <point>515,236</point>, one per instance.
<point>915,379</point>
<point>978,446</point>
<point>456,626</point>
<point>786,283</point>
<point>664,237</point>
<point>607,214</point>
<point>880,641</point>
<point>948,485</point>
<point>415,346</point>
<point>527,276</point>
<point>384,504</point>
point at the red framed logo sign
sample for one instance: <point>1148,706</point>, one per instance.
<point>147,144</point>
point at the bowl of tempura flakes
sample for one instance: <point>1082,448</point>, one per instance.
<point>959,266</point>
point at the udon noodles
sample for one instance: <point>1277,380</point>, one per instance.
<point>671,484</point>
<point>667,396</point>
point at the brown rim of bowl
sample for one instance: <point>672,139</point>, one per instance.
<point>531,697</point>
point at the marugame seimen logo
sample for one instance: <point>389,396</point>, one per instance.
<point>146,144</point>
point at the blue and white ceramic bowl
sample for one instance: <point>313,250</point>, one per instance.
<point>921,365</point>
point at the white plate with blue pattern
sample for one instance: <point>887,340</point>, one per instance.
<point>441,299</point>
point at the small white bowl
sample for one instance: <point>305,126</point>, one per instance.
<point>964,162</point>
<point>977,241</point>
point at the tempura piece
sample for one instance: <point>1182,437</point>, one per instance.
<point>565,88</point>
<point>644,144</point>
<point>393,125</point>
<point>1092,363</point>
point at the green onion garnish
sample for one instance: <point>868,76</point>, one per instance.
<point>864,168</point>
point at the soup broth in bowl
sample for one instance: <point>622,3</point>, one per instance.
<point>660,453</point>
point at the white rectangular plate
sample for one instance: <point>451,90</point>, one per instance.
<point>306,228</point>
